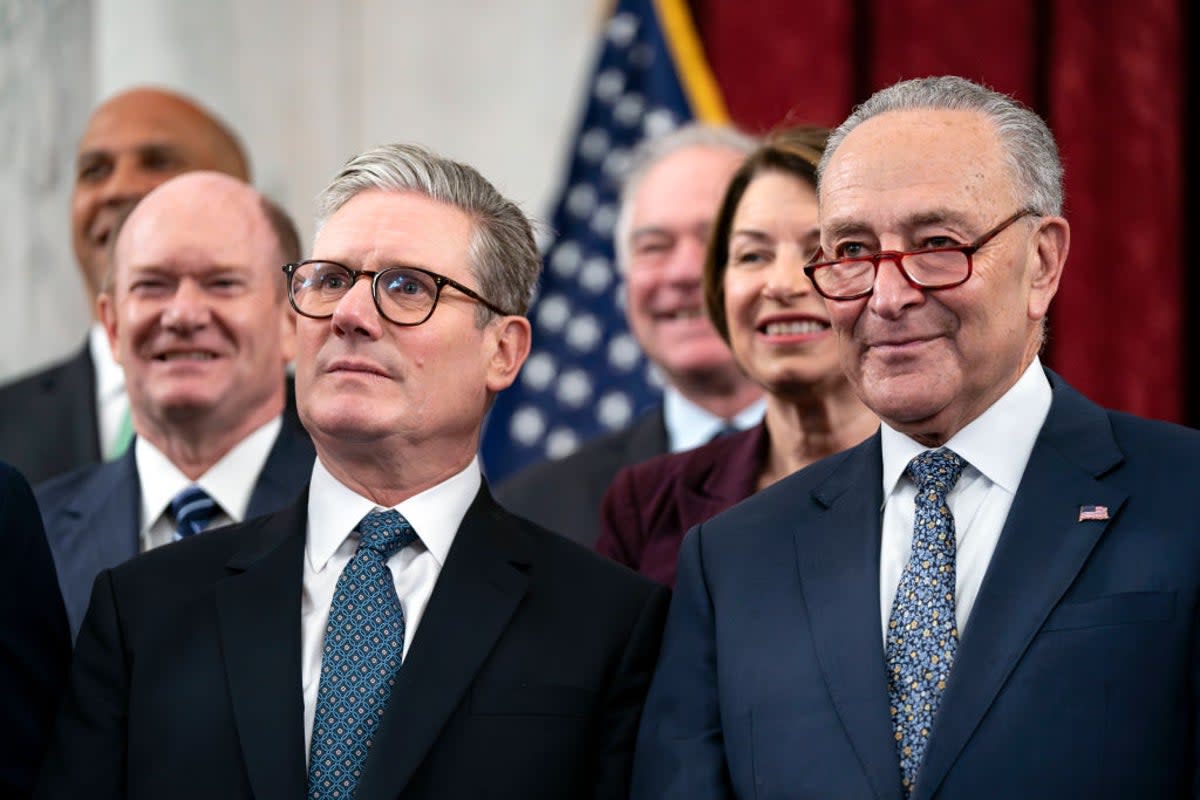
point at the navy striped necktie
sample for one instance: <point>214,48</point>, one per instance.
<point>193,509</point>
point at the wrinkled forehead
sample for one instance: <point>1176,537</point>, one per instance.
<point>905,164</point>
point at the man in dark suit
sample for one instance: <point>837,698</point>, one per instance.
<point>35,648</point>
<point>993,597</point>
<point>668,202</point>
<point>525,658</point>
<point>133,142</point>
<point>198,318</point>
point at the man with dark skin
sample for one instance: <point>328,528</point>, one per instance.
<point>133,142</point>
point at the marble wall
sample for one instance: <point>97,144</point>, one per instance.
<point>46,89</point>
<point>307,84</point>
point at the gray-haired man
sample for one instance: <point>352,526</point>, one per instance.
<point>525,658</point>
<point>668,202</point>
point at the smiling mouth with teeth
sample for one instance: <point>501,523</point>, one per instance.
<point>795,328</point>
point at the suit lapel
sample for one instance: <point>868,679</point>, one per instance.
<point>258,609</point>
<point>481,583</point>
<point>838,558</point>
<point>725,477</point>
<point>100,530</point>
<point>287,468</point>
<point>1040,552</point>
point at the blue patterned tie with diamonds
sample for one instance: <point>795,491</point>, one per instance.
<point>364,643</point>
<point>922,635</point>
<point>193,509</point>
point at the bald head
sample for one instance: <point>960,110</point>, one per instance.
<point>135,141</point>
<point>210,214</point>
<point>196,313</point>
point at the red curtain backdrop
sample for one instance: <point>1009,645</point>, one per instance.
<point>1109,77</point>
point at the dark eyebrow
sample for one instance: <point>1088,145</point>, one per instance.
<point>143,149</point>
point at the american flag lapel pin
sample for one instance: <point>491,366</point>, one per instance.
<point>1093,512</point>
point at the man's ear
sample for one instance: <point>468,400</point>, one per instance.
<point>106,312</point>
<point>510,339</point>
<point>1052,240</point>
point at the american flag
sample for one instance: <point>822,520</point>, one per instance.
<point>586,374</point>
<point>1093,512</point>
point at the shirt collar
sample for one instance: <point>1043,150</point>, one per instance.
<point>689,425</point>
<point>110,379</point>
<point>229,482</point>
<point>997,443</point>
<point>334,510</point>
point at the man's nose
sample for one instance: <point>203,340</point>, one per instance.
<point>686,262</point>
<point>893,292</point>
<point>356,311</point>
<point>188,307</point>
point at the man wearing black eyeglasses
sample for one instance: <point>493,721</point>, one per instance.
<point>995,596</point>
<point>395,632</point>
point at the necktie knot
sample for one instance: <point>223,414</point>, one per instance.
<point>936,470</point>
<point>385,532</point>
<point>193,509</point>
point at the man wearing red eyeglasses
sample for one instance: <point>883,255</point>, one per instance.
<point>995,596</point>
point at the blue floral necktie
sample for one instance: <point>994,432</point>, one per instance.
<point>364,644</point>
<point>193,509</point>
<point>922,635</point>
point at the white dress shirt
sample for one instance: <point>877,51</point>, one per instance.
<point>229,482</point>
<point>996,446</point>
<point>112,404</point>
<point>334,511</point>
<point>689,425</point>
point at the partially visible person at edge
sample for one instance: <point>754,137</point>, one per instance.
<point>133,142</point>
<point>767,311</point>
<point>35,646</point>
<point>668,201</point>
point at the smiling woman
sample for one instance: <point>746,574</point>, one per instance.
<point>766,309</point>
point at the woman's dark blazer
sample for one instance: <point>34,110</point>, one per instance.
<point>651,505</point>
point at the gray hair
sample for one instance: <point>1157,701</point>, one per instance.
<point>1027,142</point>
<point>504,256</point>
<point>651,151</point>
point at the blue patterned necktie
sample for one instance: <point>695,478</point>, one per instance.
<point>193,509</point>
<point>364,644</point>
<point>922,635</point>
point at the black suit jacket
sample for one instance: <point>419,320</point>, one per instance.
<point>525,678</point>
<point>48,419</point>
<point>565,495</point>
<point>35,648</point>
<point>93,515</point>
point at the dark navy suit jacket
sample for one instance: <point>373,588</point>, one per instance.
<point>525,679</point>
<point>48,419</point>
<point>92,515</point>
<point>1078,673</point>
<point>35,648</point>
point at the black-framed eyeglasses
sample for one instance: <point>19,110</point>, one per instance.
<point>402,295</point>
<point>929,268</point>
